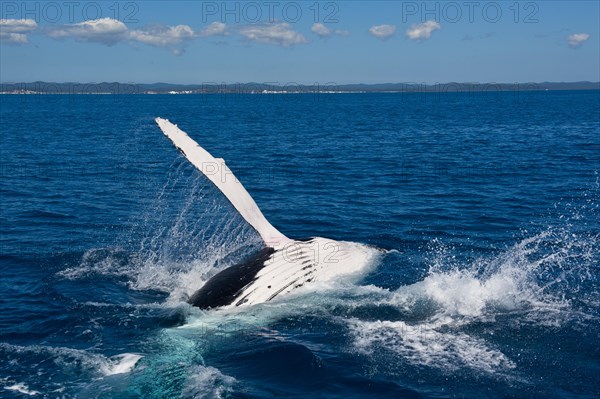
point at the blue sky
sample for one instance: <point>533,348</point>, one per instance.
<point>303,42</point>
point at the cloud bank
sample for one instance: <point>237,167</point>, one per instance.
<point>110,31</point>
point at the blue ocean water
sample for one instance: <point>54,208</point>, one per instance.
<point>487,207</point>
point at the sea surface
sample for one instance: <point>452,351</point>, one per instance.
<point>485,208</point>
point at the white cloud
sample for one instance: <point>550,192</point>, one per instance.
<point>422,31</point>
<point>215,29</point>
<point>163,36</point>
<point>17,25</point>
<point>15,31</point>
<point>278,33</point>
<point>322,31</point>
<point>110,31</point>
<point>577,39</point>
<point>106,31</point>
<point>382,32</point>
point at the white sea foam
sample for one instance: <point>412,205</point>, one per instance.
<point>22,388</point>
<point>207,383</point>
<point>78,359</point>
<point>423,344</point>
<point>523,278</point>
<point>120,364</point>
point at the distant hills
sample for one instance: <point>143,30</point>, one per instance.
<point>274,88</point>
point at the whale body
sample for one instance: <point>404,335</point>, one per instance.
<point>284,264</point>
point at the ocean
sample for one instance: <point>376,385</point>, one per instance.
<point>484,208</point>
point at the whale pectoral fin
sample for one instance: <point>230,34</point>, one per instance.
<point>221,176</point>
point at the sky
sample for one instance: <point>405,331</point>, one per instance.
<point>303,42</point>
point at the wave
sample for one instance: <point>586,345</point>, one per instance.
<point>59,369</point>
<point>424,345</point>
<point>36,214</point>
<point>78,359</point>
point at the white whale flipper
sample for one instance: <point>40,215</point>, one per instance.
<point>221,176</point>
<point>287,265</point>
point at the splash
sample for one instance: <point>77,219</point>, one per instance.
<point>185,235</point>
<point>542,271</point>
<point>536,282</point>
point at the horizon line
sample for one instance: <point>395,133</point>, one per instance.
<point>327,84</point>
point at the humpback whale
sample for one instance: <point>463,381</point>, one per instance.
<point>284,264</point>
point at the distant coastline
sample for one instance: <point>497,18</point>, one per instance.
<point>276,88</point>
